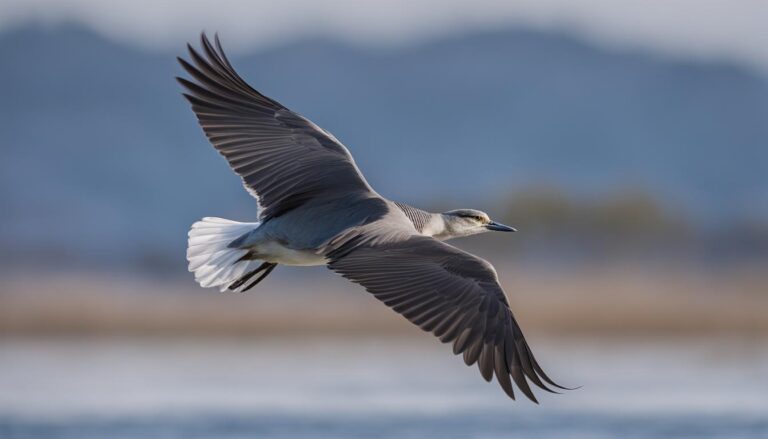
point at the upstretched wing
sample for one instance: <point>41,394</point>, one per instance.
<point>452,294</point>
<point>284,159</point>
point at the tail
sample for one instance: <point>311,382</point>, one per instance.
<point>217,265</point>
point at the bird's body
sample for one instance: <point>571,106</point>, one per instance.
<point>298,238</point>
<point>307,245</point>
<point>316,208</point>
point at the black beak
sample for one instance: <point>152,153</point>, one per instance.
<point>499,227</point>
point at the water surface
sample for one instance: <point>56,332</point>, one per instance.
<point>374,387</point>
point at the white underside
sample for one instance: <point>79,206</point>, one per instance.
<point>217,265</point>
<point>274,251</point>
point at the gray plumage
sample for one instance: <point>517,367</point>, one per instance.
<point>317,208</point>
<point>418,217</point>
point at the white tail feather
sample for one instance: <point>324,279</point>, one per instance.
<point>215,264</point>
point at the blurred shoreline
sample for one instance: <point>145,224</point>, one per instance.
<point>607,301</point>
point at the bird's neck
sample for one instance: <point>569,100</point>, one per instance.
<point>426,223</point>
<point>437,227</point>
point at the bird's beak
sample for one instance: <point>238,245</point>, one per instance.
<point>499,227</point>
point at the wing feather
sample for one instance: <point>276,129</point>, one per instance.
<point>283,159</point>
<point>452,294</point>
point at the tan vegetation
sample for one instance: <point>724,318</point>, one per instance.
<point>607,301</point>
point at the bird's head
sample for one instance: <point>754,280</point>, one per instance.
<point>465,222</point>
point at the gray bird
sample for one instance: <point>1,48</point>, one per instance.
<point>316,208</point>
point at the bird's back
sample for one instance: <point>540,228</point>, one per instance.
<point>314,224</point>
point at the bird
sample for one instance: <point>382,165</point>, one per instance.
<point>315,207</point>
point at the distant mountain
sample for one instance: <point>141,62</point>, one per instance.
<point>103,160</point>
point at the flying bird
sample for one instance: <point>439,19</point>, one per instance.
<point>316,208</point>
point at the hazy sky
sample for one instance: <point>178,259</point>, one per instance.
<point>731,29</point>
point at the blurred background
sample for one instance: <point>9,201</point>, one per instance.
<point>627,141</point>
